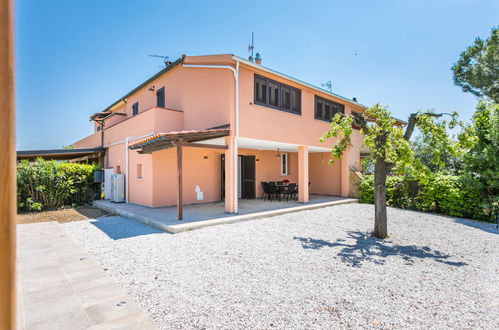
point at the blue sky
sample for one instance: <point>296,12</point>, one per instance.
<point>74,58</point>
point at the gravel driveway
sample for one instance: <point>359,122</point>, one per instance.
<point>313,269</point>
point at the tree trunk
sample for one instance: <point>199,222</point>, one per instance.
<point>380,219</point>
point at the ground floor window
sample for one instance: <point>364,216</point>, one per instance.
<point>284,164</point>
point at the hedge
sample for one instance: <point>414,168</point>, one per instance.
<point>49,184</point>
<point>457,196</point>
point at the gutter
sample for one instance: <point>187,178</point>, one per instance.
<point>236,125</point>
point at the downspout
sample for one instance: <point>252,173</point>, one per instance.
<point>126,169</point>
<point>236,128</point>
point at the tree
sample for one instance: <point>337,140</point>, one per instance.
<point>482,159</point>
<point>477,70</point>
<point>389,146</point>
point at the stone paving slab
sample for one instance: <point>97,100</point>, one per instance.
<point>61,287</point>
<point>211,214</point>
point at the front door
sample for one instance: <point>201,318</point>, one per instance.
<point>246,177</point>
<point>248,169</point>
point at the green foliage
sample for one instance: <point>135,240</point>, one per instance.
<point>458,196</point>
<point>448,162</point>
<point>50,184</point>
<point>477,70</point>
<point>381,134</point>
<point>482,159</point>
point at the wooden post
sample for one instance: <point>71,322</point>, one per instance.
<point>7,170</point>
<point>180,205</point>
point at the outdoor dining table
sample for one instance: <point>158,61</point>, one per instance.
<point>280,188</point>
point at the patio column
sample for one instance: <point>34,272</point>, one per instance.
<point>345,174</point>
<point>303,174</point>
<point>345,171</point>
<point>230,188</point>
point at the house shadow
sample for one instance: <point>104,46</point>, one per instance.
<point>367,248</point>
<point>117,227</point>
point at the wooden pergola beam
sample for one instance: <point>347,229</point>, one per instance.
<point>202,145</point>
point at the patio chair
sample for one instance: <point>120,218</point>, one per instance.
<point>290,191</point>
<point>265,190</point>
<point>272,190</point>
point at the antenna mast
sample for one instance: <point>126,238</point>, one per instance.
<point>166,59</point>
<point>251,46</point>
<point>328,85</point>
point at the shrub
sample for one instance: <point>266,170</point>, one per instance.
<point>50,184</point>
<point>458,196</point>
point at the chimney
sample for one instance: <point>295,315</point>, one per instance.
<point>258,58</point>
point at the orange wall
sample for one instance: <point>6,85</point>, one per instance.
<point>264,123</point>
<point>324,179</point>
<point>91,141</point>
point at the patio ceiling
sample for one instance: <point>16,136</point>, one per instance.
<point>247,143</point>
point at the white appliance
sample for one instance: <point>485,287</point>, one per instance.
<point>106,184</point>
<point>118,188</point>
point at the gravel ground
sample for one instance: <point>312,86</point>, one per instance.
<point>313,269</point>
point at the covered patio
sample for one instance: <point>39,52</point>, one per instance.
<point>209,214</point>
<point>246,166</point>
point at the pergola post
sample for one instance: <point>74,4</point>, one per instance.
<point>180,205</point>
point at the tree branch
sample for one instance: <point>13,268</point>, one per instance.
<point>410,126</point>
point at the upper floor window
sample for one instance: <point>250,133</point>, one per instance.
<point>160,97</point>
<point>135,109</point>
<point>273,94</point>
<point>326,109</point>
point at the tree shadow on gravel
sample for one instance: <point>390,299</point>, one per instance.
<point>367,248</point>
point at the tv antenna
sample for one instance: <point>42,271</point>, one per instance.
<point>166,59</point>
<point>328,85</point>
<point>251,46</point>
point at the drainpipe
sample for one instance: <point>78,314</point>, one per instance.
<point>236,128</point>
<point>126,168</point>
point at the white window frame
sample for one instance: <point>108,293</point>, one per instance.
<point>284,169</point>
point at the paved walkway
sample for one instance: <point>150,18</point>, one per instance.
<point>210,214</point>
<point>61,287</point>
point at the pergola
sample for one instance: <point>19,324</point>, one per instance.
<point>72,155</point>
<point>162,141</point>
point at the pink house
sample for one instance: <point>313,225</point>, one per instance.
<point>221,125</point>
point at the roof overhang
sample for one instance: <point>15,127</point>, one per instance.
<point>163,141</point>
<point>60,154</point>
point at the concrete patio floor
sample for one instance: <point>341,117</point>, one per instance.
<point>209,214</point>
<point>61,287</point>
